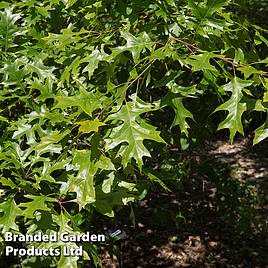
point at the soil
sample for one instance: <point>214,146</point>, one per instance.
<point>199,223</point>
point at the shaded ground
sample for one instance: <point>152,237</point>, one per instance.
<point>205,221</point>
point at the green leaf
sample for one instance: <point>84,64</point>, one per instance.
<point>83,183</point>
<point>4,119</point>
<point>181,114</point>
<point>72,126</point>
<point>107,184</point>
<point>45,89</point>
<point>128,185</point>
<point>48,168</point>
<point>54,137</point>
<point>14,73</point>
<point>234,106</point>
<point>66,37</point>
<point>264,61</point>
<point>27,130</point>
<point>261,132</point>
<point>174,99</point>
<point>249,70</point>
<point>152,177</point>
<point>93,61</point>
<point>66,261</point>
<point>69,3</point>
<point>38,203</point>
<point>134,44</point>
<point>105,202</point>
<point>259,38</point>
<point>10,211</point>
<point>88,126</point>
<point>201,62</point>
<point>87,101</point>
<point>265,97</point>
<point>204,9</point>
<point>43,72</point>
<point>70,262</point>
<point>8,28</point>
<point>8,182</point>
<point>133,130</point>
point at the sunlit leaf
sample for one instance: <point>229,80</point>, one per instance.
<point>88,126</point>
<point>234,106</point>
<point>133,130</point>
<point>10,211</point>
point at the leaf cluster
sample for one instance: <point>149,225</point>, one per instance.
<point>90,90</point>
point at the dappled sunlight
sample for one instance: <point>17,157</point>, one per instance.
<point>184,228</point>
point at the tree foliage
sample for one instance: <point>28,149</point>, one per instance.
<point>90,89</point>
